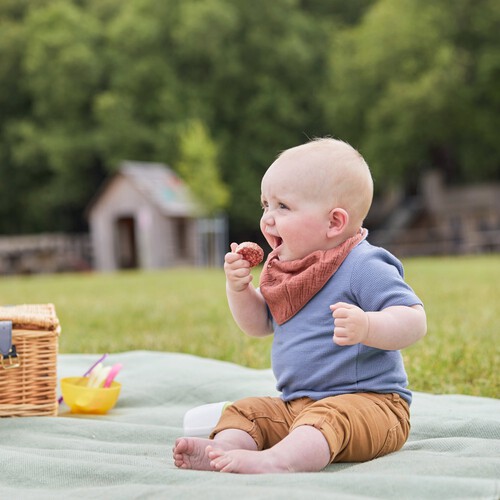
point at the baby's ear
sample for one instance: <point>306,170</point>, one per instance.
<point>338,221</point>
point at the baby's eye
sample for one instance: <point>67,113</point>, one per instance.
<point>264,205</point>
<point>283,206</point>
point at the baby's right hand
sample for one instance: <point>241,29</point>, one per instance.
<point>237,269</point>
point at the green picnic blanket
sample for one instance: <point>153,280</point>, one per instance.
<point>453,451</point>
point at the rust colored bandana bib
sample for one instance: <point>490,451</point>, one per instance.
<point>288,286</point>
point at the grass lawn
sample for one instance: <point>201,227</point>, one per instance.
<point>184,310</point>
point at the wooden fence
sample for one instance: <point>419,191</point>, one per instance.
<point>431,241</point>
<point>45,253</point>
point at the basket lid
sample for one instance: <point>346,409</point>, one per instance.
<point>31,316</point>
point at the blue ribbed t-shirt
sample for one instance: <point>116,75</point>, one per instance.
<point>306,361</point>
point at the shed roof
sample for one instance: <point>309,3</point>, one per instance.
<point>159,184</point>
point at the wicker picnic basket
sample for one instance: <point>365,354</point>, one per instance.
<point>28,373</point>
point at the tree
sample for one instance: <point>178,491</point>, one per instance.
<point>50,145</point>
<point>139,107</point>
<point>198,167</point>
<point>98,81</point>
<point>87,83</point>
<point>415,88</point>
<point>260,70</point>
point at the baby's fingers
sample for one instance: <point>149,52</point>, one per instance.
<point>339,306</point>
<point>231,258</point>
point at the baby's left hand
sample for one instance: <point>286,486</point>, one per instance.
<point>351,324</point>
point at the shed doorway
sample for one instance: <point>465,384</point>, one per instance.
<point>181,240</point>
<point>126,247</point>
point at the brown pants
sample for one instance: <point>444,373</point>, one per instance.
<point>357,427</point>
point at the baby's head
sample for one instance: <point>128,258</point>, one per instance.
<point>331,172</point>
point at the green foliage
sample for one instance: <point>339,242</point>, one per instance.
<point>154,311</point>
<point>138,108</point>
<point>198,167</point>
<point>48,138</point>
<point>85,84</point>
<point>416,84</point>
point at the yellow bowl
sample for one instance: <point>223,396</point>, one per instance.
<point>83,399</point>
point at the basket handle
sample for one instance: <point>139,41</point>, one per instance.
<point>8,355</point>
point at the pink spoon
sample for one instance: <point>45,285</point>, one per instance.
<point>112,374</point>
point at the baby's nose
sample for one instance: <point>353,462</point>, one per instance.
<point>267,218</point>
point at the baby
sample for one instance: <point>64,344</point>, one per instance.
<point>339,310</point>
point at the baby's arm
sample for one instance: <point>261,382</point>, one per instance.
<point>246,303</point>
<point>393,328</point>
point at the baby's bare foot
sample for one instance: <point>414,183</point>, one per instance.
<point>190,453</point>
<point>243,461</point>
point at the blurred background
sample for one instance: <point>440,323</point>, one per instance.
<point>134,134</point>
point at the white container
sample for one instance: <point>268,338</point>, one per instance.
<point>200,421</point>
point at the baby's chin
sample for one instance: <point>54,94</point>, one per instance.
<point>284,256</point>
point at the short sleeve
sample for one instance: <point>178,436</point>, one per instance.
<point>377,282</point>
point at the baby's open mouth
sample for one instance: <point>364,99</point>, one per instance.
<point>277,242</point>
<point>273,240</point>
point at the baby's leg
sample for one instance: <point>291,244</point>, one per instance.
<point>305,449</point>
<point>191,453</point>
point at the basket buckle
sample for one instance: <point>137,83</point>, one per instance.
<point>11,360</point>
<point>8,354</point>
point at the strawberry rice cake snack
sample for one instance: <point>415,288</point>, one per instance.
<point>251,252</point>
